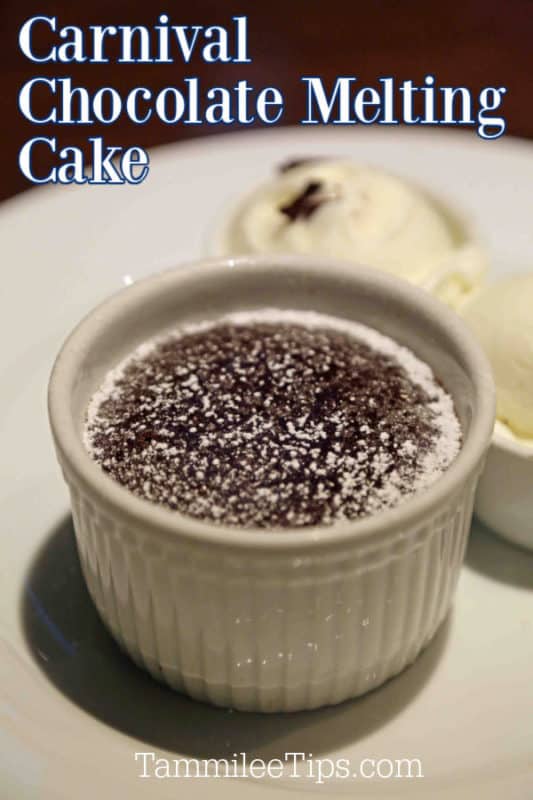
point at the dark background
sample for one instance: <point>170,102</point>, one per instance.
<point>474,43</point>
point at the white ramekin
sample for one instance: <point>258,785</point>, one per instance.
<point>280,620</point>
<point>504,499</point>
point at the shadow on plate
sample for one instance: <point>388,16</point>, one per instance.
<point>496,558</point>
<point>72,647</point>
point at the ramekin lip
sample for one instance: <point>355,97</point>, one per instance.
<point>171,524</point>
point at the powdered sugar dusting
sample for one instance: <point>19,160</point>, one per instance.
<point>273,418</point>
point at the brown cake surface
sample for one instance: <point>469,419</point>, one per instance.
<point>273,420</point>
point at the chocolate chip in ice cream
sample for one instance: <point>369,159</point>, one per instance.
<point>307,202</point>
<point>294,163</point>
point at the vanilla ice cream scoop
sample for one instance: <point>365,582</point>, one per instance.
<point>501,316</point>
<point>361,214</point>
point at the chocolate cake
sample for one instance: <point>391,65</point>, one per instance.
<point>273,419</point>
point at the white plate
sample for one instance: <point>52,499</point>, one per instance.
<point>73,709</point>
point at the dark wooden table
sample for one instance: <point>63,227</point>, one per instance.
<point>472,43</point>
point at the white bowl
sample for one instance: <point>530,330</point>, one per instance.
<point>280,620</point>
<point>504,500</point>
